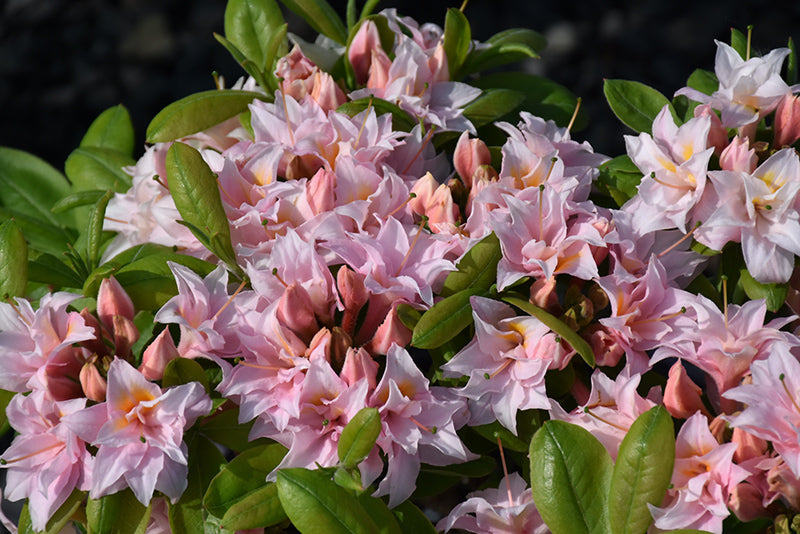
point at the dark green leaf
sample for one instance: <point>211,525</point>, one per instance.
<point>739,42</point>
<point>223,427</point>
<point>570,476</point>
<point>118,513</point>
<point>400,119</point>
<point>260,508</point>
<point>412,519</point>
<point>13,261</point>
<point>445,319</point>
<point>91,168</point>
<point>434,479</point>
<point>76,200</point>
<point>508,46</point>
<point>94,231</point>
<point>408,316</point>
<point>635,104</point>
<point>245,474</point>
<point>248,65</point>
<point>5,398</point>
<point>249,25</point>
<point>791,64</point>
<point>523,36</point>
<point>775,294</point>
<point>182,371</point>
<point>557,326</point>
<point>621,177</point>
<point>477,268</point>
<point>205,459</point>
<point>41,235</point>
<point>457,39</point>
<point>197,112</point>
<point>528,421</point>
<point>380,514</point>
<point>314,503</point>
<point>369,7</point>
<point>358,437</point>
<point>492,105</point>
<point>58,520</point>
<point>703,80</point>
<point>111,129</point>
<point>321,16</point>
<point>48,269</point>
<point>642,472</point>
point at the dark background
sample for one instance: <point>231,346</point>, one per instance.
<point>63,62</point>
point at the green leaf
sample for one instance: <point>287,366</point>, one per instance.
<point>48,269</point>
<point>183,371</point>
<point>492,105</point>
<point>13,261</point>
<point>457,39</point>
<point>94,230</point>
<point>358,437</point>
<point>92,168</point>
<point>570,476</point>
<point>400,119</point>
<point>621,177</point>
<point>635,104</point>
<point>205,459</point>
<point>321,16</point>
<point>508,46</point>
<point>477,268</point>
<point>543,97</point>
<point>445,319</point>
<point>775,294</point>
<point>739,42</point>
<point>249,25</point>
<point>58,520</point>
<point>433,479</point>
<point>642,471</point>
<point>29,185</point>
<point>314,503</point>
<point>5,398</point>
<point>118,513</point>
<point>241,477</point>
<point>528,422</point>
<point>521,36</point>
<point>196,194</point>
<point>369,7</point>
<point>557,326</point>
<point>260,508</point>
<point>704,81</point>
<point>198,112</point>
<point>76,200</point>
<point>112,129</point>
<point>223,427</point>
<point>381,514</point>
<point>408,315</point>
<point>411,519</point>
<point>791,63</point>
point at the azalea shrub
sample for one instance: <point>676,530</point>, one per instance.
<point>378,268</point>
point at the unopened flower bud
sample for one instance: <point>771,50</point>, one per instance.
<point>391,331</point>
<point>748,446</point>
<point>113,300</point>
<point>351,288</point>
<point>366,39</point>
<point>738,156</point>
<point>379,70</point>
<point>296,311</point>
<point>606,348</point>
<point>125,335</point>
<point>747,502</point>
<point>717,134</point>
<point>359,364</point>
<point>544,295</point>
<point>157,355</point>
<point>326,93</point>
<point>681,395</point>
<point>92,382</point>
<point>469,156</point>
<point>787,121</point>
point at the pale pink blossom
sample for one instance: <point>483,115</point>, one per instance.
<point>787,121</point>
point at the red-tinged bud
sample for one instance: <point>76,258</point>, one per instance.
<point>544,295</point>
<point>294,69</point>
<point>379,70</point>
<point>787,121</point>
<point>319,191</point>
<point>359,364</point>
<point>299,167</point>
<point>747,502</point>
<point>748,446</point>
<point>391,331</point>
<point>92,382</point>
<point>321,342</point>
<point>681,395</point>
<point>113,300</point>
<point>433,201</point>
<point>296,312</point>
<point>738,156</point>
<point>351,288</point>
<point>719,429</point>
<point>782,481</point>
<point>469,156</point>
<point>125,335</point>
<point>717,134</point>
<point>606,348</point>
<point>157,355</point>
<point>366,39</point>
<point>340,343</point>
<point>326,93</point>
<point>438,65</point>
<point>96,344</point>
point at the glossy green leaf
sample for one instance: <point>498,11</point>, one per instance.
<point>321,16</point>
<point>457,39</point>
<point>739,42</point>
<point>260,508</point>
<point>477,268</point>
<point>223,427</point>
<point>112,129</point>
<point>58,520</point>
<point>791,63</point>
<point>492,105</point>
<point>48,269</point>
<point>508,46</point>
<point>30,186</point>
<point>435,479</point>
<point>556,325</point>
<point>775,294</point>
<point>369,7</point>
<point>77,200</point>
<point>182,371</point>
<point>703,80</point>
<point>242,476</point>
<point>528,422</point>
<point>411,519</point>
<point>634,103</point>
<point>118,513</point>
<point>13,261</point>
<point>642,471</point>
<point>570,476</point>
<point>520,36</point>
<point>621,178</point>
<point>381,514</point>
<point>92,168</point>
<point>196,194</point>
<point>249,25</point>
<point>94,230</point>
<point>198,112</point>
<point>41,235</point>
<point>5,398</point>
<point>543,97</point>
<point>358,437</point>
<point>408,315</point>
<point>314,503</point>
<point>445,319</point>
<point>248,65</point>
<point>205,459</point>
<point>400,119</point>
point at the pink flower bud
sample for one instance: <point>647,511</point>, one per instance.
<point>787,121</point>
<point>320,344</point>
<point>359,54</point>
<point>113,300</point>
<point>351,288</point>
<point>681,395</point>
<point>738,156</point>
<point>434,201</point>
<point>379,70</point>
<point>606,348</point>
<point>468,156</point>
<point>125,335</point>
<point>157,355</point>
<point>438,65</point>
<point>391,331</point>
<point>748,446</point>
<point>544,295</point>
<point>92,382</point>
<point>359,364</point>
<point>95,345</point>
<point>717,134</point>
<point>295,69</point>
<point>319,191</point>
<point>296,312</point>
<point>326,93</point>
<point>747,502</point>
<point>781,480</point>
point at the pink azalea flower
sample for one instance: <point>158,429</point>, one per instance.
<point>138,433</point>
<point>702,480</point>
<point>509,509</point>
<point>47,460</point>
